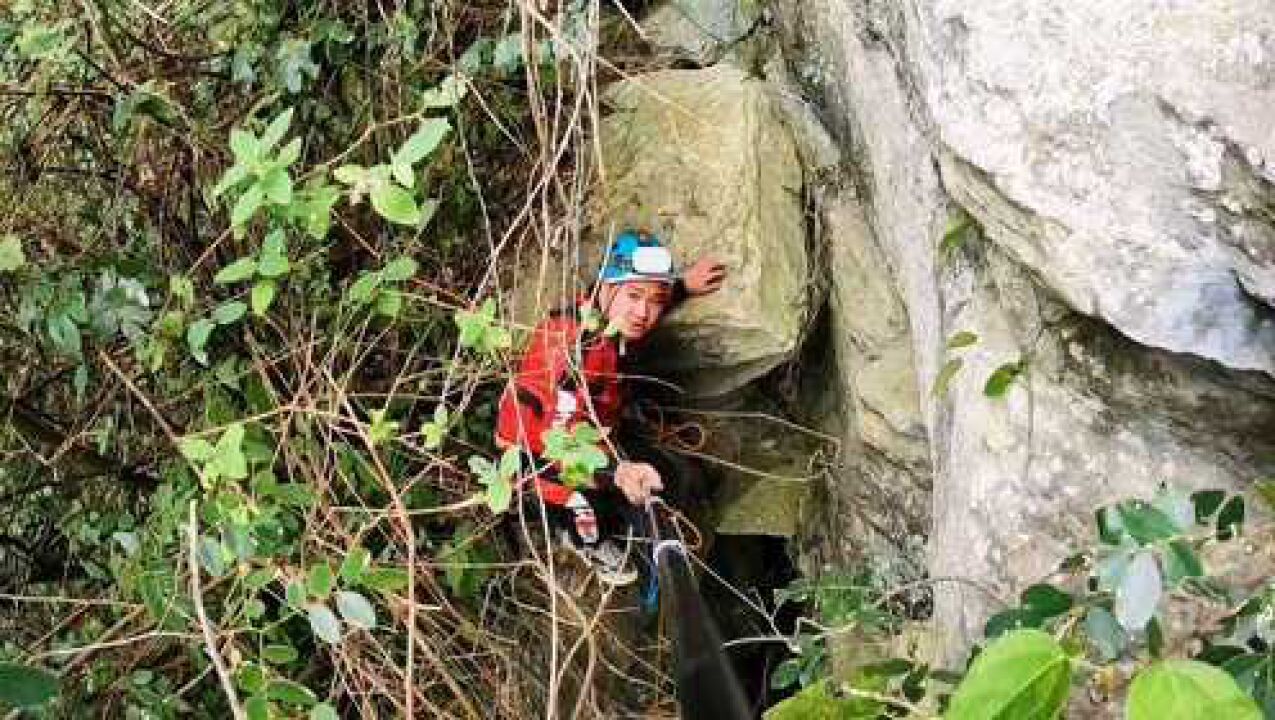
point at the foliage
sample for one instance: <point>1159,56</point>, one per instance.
<point>24,686</point>
<point>1105,619</point>
<point>239,259</point>
<point>836,600</point>
<point>576,452</point>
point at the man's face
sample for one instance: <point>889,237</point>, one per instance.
<point>635,307</point>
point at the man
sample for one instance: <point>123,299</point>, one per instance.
<point>571,373</point>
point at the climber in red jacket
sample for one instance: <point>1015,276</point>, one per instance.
<point>571,373</point>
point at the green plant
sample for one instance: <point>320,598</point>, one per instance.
<point>1101,619</point>
<point>577,453</point>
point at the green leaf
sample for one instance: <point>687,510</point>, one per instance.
<point>1010,620</point>
<point>65,335</point>
<point>247,205</point>
<point>1155,638</point>
<point>350,174</point>
<point>1025,675</point>
<point>276,184</point>
<point>819,702</point>
<point>511,463</point>
<point>1230,519</point>
<point>786,674</point>
<point>289,154</point>
<point>244,145</point>
<point>389,303</point>
<point>197,338</point>
<point>196,449</point>
<point>1105,633</point>
<point>435,430</point>
<point>26,686</point>
<point>1110,528</point>
<point>385,579</point>
<point>251,677</point>
<point>447,94</point>
<point>1187,690</point>
<point>1046,600</point>
<point>276,130</point>
<point>295,594</point>
<point>1206,503</point>
<point>273,265</point>
<point>234,175</point>
<point>355,564</point>
<point>356,610</point>
<point>364,288</point>
<point>1000,380</point>
<point>961,339</point>
<point>1139,592</point>
<point>1181,562</point>
<point>237,271</point>
<point>213,556</point>
<point>296,495</point>
<point>323,711</point>
<point>263,294</point>
<point>279,654</point>
<point>228,460</point>
<point>324,623</point>
<point>395,204</point>
<point>1145,523</point>
<point>958,231</point>
<point>1255,674</point>
<point>273,260</point>
<point>229,313</point>
<point>319,581</point>
<point>182,289</point>
<point>287,691</point>
<point>257,707</point>
<point>399,270</point>
<point>423,142</point>
<point>381,429</point>
<point>11,255</point>
<point>507,54</point>
<point>944,378</point>
<point>499,495</point>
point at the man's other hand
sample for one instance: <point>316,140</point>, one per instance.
<point>705,276</point>
<point>638,481</point>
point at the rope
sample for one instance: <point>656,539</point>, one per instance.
<point>687,436</point>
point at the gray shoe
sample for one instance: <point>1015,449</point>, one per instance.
<point>608,560</point>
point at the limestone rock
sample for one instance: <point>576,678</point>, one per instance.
<point>767,471</point>
<point>1122,151</point>
<point>706,159</point>
<point>1116,157</point>
<point>699,30</point>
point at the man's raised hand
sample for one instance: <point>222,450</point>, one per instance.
<point>705,276</point>
<point>638,481</point>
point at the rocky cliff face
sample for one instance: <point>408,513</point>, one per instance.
<point>1074,196</point>
<point>1118,159</point>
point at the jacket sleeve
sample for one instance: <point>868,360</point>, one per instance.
<point>528,403</point>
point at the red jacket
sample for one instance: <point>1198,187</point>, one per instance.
<point>568,374</point>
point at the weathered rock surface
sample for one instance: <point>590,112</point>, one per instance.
<point>706,159</point>
<point>1119,161</point>
<point>701,31</point>
<point>1122,151</point>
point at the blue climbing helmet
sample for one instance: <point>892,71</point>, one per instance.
<point>638,255</point>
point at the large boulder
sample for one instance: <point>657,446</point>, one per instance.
<point>1118,160</point>
<point>1124,152</point>
<point>708,159</point>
